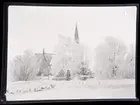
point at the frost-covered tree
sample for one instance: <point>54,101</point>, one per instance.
<point>77,56</point>
<point>60,59</point>
<point>68,55</point>
<point>110,58</point>
<point>129,71</point>
<point>24,67</point>
<point>62,55</point>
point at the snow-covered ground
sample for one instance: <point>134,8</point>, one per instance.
<point>74,89</point>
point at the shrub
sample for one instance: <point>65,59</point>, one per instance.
<point>61,73</point>
<point>68,75</point>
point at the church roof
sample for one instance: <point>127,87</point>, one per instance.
<point>76,34</point>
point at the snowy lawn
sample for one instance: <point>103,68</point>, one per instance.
<point>74,89</point>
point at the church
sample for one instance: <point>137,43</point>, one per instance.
<point>47,57</point>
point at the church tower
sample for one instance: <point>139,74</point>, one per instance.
<point>76,37</point>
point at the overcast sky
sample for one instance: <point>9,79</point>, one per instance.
<point>36,28</point>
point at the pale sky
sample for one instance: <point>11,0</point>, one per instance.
<point>36,28</point>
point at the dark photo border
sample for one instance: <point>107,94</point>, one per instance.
<point>5,49</point>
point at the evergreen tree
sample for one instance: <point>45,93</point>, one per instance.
<point>61,73</point>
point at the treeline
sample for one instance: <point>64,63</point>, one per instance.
<point>113,60</point>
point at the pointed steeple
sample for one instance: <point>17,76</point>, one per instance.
<point>43,50</point>
<point>76,37</point>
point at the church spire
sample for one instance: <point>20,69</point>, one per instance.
<point>76,35</point>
